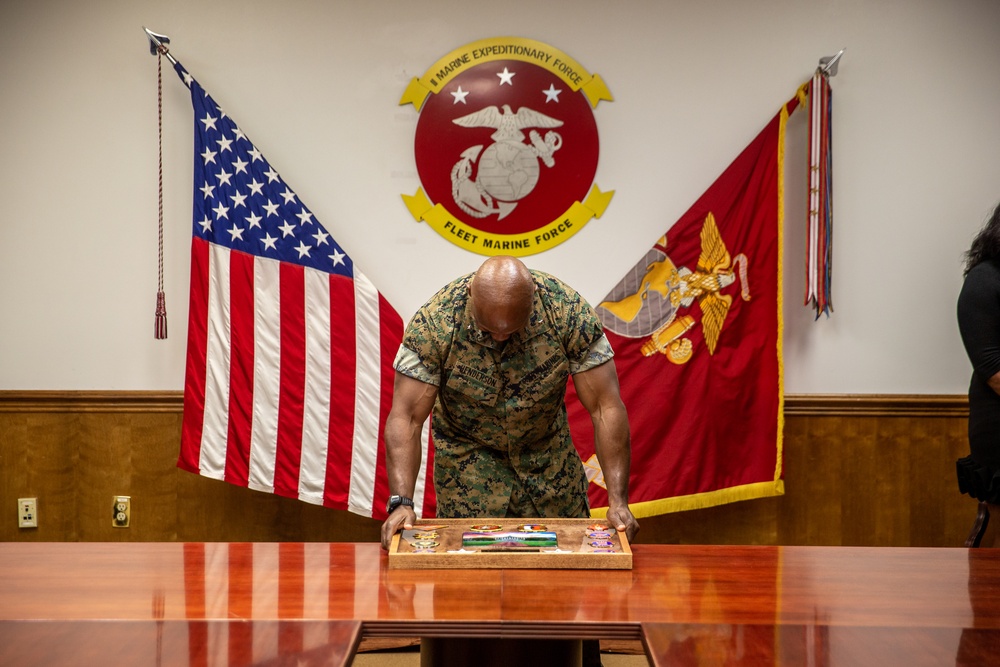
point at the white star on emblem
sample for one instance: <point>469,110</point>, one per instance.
<point>337,257</point>
<point>460,95</point>
<point>255,187</point>
<point>287,229</point>
<point>269,241</point>
<point>552,94</point>
<point>271,208</point>
<point>239,133</point>
<point>304,217</point>
<point>272,175</point>
<point>321,237</point>
<point>224,144</point>
<point>505,77</point>
<point>208,190</point>
<point>209,156</point>
<point>288,195</point>
<point>224,177</point>
<point>254,220</point>
<point>209,121</point>
<point>303,249</point>
<point>206,225</point>
<point>255,154</point>
<point>238,200</point>
<point>240,165</point>
<point>221,211</point>
<point>236,233</point>
<point>188,79</point>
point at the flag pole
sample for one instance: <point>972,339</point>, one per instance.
<point>158,44</point>
<point>828,64</point>
<point>819,236</point>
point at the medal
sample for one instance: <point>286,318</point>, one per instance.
<point>487,528</point>
<point>597,526</point>
<point>533,528</point>
<point>430,536</point>
<point>602,544</point>
<point>599,535</point>
<point>425,544</point>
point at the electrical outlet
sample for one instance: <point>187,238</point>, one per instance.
<point>122,513</point>
<point>27,512</point>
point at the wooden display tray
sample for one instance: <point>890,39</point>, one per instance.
<point>574,550</point>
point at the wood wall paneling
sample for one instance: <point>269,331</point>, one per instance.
<point>858,470</point>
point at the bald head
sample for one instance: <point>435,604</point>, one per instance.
<point>502,292</point>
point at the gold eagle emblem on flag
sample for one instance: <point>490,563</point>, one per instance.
<point>651,305</point>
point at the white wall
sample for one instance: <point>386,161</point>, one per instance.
<point>317,85</point>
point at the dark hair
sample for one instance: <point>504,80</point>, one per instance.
<point>986,245</point>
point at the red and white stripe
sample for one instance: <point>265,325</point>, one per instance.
<point>289,379</point>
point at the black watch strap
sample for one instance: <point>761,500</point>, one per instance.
<point>396,501</point>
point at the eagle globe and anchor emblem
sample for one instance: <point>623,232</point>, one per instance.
<point>508,168</point>
<point>506,146</point>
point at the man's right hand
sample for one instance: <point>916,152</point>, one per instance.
<point>401,517</point>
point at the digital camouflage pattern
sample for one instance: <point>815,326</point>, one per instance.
<point>500,415</point>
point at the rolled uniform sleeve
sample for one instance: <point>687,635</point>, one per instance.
<point>600,352</point>
<point>409,364</point>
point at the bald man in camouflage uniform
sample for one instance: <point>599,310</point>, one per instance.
<point>491,354</point>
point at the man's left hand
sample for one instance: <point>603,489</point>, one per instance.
<point>621,519</point>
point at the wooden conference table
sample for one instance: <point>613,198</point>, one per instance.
<point>311,603</point>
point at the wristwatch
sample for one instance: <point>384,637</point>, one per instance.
<point>396,501</point>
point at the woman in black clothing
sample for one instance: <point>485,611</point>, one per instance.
<point>979,323</point>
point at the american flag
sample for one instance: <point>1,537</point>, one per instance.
<point>290,347</point>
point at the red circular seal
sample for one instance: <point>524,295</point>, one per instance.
<point>506,146</point>
<point>500,154</point>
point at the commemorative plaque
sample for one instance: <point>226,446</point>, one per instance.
<point>510,543</point>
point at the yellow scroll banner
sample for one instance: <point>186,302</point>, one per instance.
<point>506,48</point>
<point>518,245</point>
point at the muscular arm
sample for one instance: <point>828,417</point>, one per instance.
<point>598,391</point>
<point>412,401</point>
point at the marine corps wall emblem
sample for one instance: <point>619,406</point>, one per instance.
<point>506,146</point>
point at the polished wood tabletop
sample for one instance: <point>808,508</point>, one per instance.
<point>237,643</point>
<point>784,599</point>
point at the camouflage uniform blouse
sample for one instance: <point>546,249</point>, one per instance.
<point>500,413</point>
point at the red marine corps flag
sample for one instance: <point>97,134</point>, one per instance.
<point>696,328</point>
